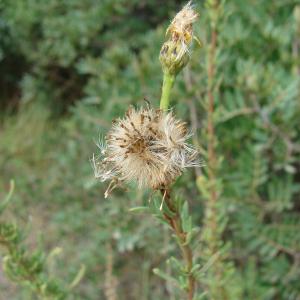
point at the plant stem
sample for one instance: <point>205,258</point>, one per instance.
<point>211,131</point>
<point>168,82</point>
<point>217,290</point>
<point>186,251</point>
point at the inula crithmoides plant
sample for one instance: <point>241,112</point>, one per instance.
<point>149,146</point>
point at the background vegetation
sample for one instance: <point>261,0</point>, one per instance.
<point>69,67</point>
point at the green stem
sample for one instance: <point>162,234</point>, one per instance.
<point>168,82</point>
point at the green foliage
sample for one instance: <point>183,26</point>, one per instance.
<point>57,40</point>
<point>28,267</point>
<point>178,273</point>
<point>91,60</point>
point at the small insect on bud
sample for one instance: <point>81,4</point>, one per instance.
<point>148,147</point>
<point>174,54</point>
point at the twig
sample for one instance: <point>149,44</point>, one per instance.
<point>211,163</point>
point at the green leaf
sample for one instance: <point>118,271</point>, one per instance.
<point>8,197</point>
<point>139,209</point>
<point>165,276</point>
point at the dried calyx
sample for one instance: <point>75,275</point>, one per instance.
<point>148,147</point>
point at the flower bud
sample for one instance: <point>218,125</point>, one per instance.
<point>173,57</point>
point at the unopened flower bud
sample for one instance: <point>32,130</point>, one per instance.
<point>173,57</point>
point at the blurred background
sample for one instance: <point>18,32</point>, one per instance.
<point>68,67</point>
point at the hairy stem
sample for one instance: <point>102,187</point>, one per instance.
<point>187,254</point>
<point>168,82</point>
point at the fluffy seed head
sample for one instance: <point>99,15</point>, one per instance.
<point>148,147</point>
<point>174,54</point>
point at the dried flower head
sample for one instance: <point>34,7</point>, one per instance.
<point>181,27</point>
<point>148,147</point>
<point>174,54</point>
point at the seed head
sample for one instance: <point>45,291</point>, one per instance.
<point>174,54</point>
<point>148,147</point>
